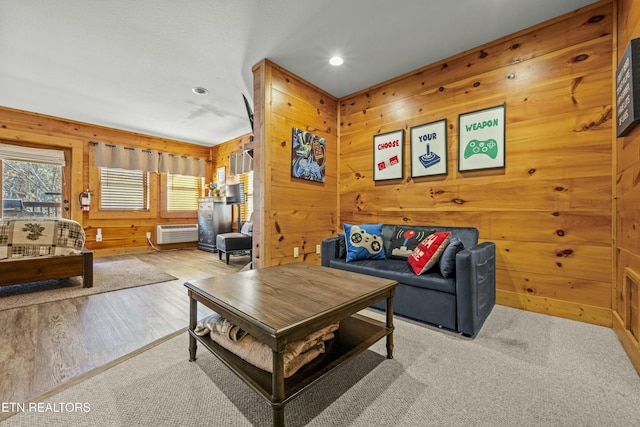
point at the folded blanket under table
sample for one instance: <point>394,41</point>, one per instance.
<point>296,354</point>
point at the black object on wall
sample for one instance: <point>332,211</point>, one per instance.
<point>628,89</point>
<point>249,110</point>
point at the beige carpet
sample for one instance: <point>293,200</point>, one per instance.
<point>523,369</point>
<point>109,274</point>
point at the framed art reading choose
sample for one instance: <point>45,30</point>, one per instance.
<point>387,155</point>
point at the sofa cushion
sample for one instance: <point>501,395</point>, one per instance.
<point>404,240</point>
<point>229,242</point>
<point>398,270</point>
<point>447,261</point>
<point>342,246</point>
<point>428,251</point>
<point>364,241</point>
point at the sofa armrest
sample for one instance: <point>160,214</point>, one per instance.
<point>330,249</point>
<point>475,286</point>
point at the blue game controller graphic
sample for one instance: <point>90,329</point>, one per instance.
<point>488,147</point>
<point>429,158</point>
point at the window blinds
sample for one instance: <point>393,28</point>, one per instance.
<point>122,189</point>
<point>183,192</point>
<point>29,154</point>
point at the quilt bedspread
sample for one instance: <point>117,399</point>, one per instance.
<point>35,237</point>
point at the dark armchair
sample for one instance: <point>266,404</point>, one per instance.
<point>241,242</point>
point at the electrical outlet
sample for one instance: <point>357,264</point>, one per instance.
<point>296,252</point>
<point>318,249</point>
<point>99,235</point>
<point>148,234</point>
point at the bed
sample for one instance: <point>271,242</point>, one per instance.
<point>36,249</point>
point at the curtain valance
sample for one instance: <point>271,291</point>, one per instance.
<point>117,156</point>
<point>240,163</point>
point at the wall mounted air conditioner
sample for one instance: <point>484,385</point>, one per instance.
<point>176,233</point>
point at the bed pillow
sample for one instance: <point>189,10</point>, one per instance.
<point>364,241</point>
<point>404,240</point>
<point>447,261</point>
<point>428,251</point>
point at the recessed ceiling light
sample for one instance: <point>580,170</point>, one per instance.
<point>199,91</point>
<point>335,61</point>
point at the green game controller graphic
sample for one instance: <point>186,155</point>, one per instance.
<point>488,147</point>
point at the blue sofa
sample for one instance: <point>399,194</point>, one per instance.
<point>460,302</point>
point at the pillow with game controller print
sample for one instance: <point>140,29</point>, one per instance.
<point>364,241</point>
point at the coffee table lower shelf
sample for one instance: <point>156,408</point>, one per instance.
<point>355,334</point>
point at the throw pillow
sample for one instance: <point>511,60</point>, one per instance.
<point>427,253</point>
<point>448,258</point>
<point>404,240</point>
<point>364,241</point>
<point>342,246</point>
<point>247,228</point>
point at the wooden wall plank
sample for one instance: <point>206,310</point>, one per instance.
<point>596,315</point>
<point>559,227</point>
<point>580,291</point>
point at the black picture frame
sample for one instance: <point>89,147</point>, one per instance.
<point>481,139</point>
<point>388,151</point>
<point>429,149</point>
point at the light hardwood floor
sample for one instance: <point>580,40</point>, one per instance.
<point>47,347</point>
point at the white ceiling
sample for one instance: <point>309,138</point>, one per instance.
<point>131,64</point>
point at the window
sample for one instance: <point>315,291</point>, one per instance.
<point>183,192</point>
<point>31,189</point>
<point>246,209</point>
<point>33,181</point>
<point>123,189</point>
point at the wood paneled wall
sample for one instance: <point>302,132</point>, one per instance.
<point>290,212</point>
<point>549,210</point>
<point>122,232</point>
<point>626,296</point>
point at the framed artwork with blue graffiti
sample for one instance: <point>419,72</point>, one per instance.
<point>481,139</point>
<point>308,156</point>
<point>429,149</point>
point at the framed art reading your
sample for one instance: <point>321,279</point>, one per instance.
<point>429,149</point>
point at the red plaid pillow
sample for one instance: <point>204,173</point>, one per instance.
<point>428,251</point>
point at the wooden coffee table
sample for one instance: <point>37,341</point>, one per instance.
<point>281,304</point>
